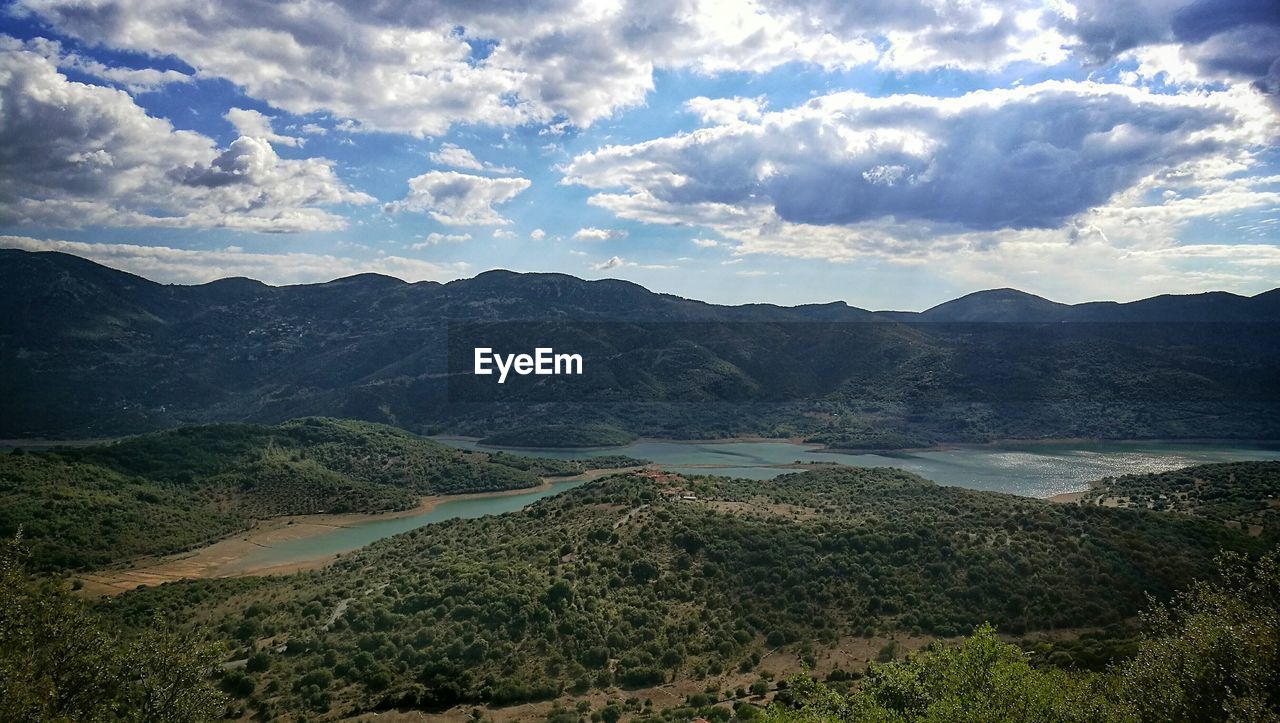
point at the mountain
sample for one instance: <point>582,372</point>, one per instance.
<point>997,305</point>
<point>89,351</point>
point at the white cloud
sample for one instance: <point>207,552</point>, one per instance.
<point>458,157</point>
<point>135,80</point>
<point>186,266</point>
<point>705,243</point>
<point>537,234</point>
<point>256,125</point>
<point>598,234</point>
<point>720,111</point>
<point>409,67</point>
<point>459,199</point>
<point>846,174</point>
<point>502,233</point>
<point>617,262</point>
<point>78,154</point>
<point>435,238</point>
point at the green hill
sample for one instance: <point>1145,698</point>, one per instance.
<point>626,583</point>
<point>1240,494</point>
<point>169,491</point>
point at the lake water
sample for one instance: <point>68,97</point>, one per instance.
<point>1033,470</point>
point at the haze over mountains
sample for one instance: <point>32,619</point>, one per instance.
<point>87,350</point>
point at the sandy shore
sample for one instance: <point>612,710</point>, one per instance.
<point>224,557</point>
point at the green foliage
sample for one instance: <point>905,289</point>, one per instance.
<point>61,662</point>
<point>1211,655</point>
<point>621,582</point>
<point>1242,494</point>
<point>171,491</point>
<point>1214,653</point>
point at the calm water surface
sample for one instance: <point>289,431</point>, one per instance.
<point>1034,470</point>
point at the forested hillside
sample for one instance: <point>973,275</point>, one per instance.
<point>1244,495</point>
<point>88,351</point>
<point>629,581</point>
<point>169,491</point>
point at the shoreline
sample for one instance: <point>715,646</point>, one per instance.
<point>940,447</point>
<point>222,558</point>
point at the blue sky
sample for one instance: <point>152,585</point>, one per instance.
<point>890,154</point>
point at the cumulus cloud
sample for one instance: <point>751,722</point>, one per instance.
<point>253,124</point>
<point>460,199</point>
<point>1220,39</point>
<point>79,154</point>
<point>881,173</point>
<point>421,68</point>
<point>187,266</point>
<point>598,234</point>
<point>537,234</point>
<point>135,80</point>
<point>718,111</point>
<point>435,238</point>
<point>456,156</point>
<point>612,262</point>
<point>408,67</point>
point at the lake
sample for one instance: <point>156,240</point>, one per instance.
<point>1033,470</point>
<point>1029,469</point>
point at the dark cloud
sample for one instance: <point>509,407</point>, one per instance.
<point>1031,158</point>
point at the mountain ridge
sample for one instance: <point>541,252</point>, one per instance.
<point>944,311</point>
<point>90,351</point>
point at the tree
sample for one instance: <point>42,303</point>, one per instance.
<point>59,661</point>
<point>1214,654</point>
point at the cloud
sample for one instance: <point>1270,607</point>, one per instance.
<point>705,243</point>
<point>719,111</point>
<point>186,266</point>
<point>78,154</point>
<point>1220,39</point>
<point>459,157</point>
<point>135,80</point>
<point>875,175</point>
<point>617,262</point>
<point>459,199</point>
<point>537,234</point>
<point>502,233</point>
<point>414,68</point>
<point>256,125</point>
<point>421,68</point>
<point>435,239</point>
<point>598,234</point>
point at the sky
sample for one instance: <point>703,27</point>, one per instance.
<point>889,153</point>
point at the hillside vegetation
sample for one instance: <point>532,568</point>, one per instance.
<point>1212,655</point>
<point>624,583</point>
<point>1241,494</point>
<point>89,351</point>
<point>169,491</point>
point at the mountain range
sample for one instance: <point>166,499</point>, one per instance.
<point>86,350</point>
